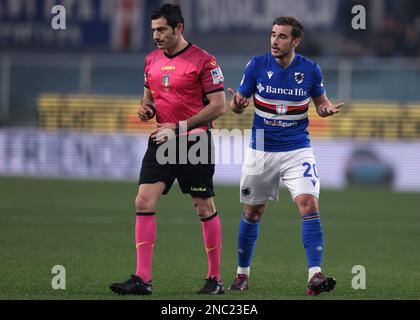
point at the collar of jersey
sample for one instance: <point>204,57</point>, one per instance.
<point>170,56</point>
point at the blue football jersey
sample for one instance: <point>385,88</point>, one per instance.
<point>281,100</point>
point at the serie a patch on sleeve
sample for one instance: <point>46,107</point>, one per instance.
<point>217,76</point>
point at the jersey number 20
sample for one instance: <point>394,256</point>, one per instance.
<point>307,172</point>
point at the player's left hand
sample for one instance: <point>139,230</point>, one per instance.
<point>164,132</point>
<point>329,109</point>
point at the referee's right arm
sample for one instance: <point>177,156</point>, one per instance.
<point>147,107</point>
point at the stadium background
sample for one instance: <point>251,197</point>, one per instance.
<point>71,146</point>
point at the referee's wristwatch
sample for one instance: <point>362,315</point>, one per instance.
<point>153,110</point>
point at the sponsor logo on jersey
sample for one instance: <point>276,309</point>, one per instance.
<point>299,76</point>
<point>270,74</point>
<point>281,109</point>
<point>279,123</point>
<point>166,80</point>
<point>260,88</point>
<point>217,76</point>
<point>286,91</point>
<point>167,68</point>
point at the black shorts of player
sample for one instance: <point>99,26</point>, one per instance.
<point>190,160</point>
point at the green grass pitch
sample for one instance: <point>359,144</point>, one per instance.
<point>88,227</point>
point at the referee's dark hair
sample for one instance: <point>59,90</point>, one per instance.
<point>297,27</point>
<point>171,12</point>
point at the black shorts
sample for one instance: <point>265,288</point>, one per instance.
<point>193,178</point>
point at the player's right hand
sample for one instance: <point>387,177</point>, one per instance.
<point>238,103</point>
<point>146,112</point>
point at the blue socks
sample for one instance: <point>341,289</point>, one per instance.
<point>313,239</point>
<point>247,236</point>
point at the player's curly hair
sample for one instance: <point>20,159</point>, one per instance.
<point>297,26</point>
<point>171,12</point>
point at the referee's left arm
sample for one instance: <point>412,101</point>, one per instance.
<point>212,111</point>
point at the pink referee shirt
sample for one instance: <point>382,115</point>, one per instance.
<point>180,82</point>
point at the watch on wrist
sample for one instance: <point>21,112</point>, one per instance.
<point>152,107</point>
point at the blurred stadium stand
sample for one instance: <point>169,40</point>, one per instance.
<point>89,77</point>
<point>102,50</point>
